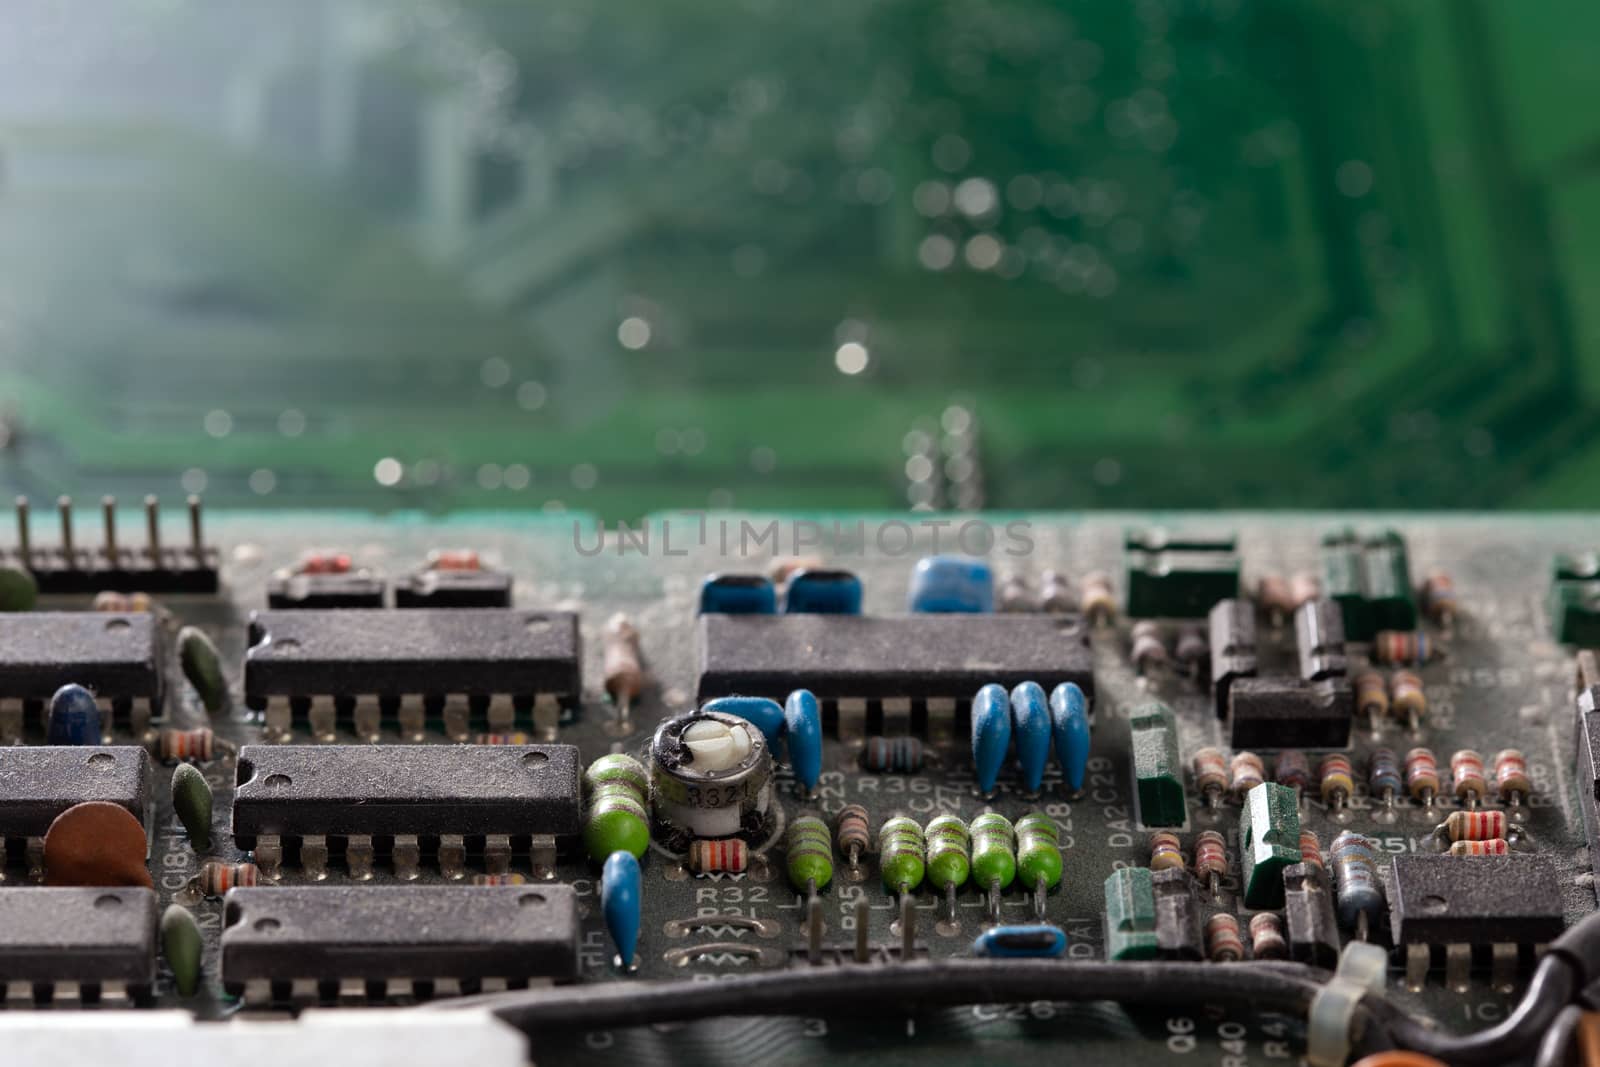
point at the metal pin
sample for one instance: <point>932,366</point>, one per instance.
<point>863,917</point>
<point>64,505</point>
<point>24,547</point>
<point>814,927</point>
<point>195,542</point>
<point>108,508</point>
<point>908,928</point>
<point>152,527</point>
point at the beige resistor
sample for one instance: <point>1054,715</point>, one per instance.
<point>624,671</point>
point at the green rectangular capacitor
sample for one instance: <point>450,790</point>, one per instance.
<point>1171,576</point>
<point>1269,841</point>
<point>1157,765</point>
<point>1574,600</point>
<point>1370,578</point>
<point>1130,914</point>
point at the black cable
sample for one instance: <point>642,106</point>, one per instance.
<point>1550,990</point>
<point>872,989</point>
<point>1554,1048</point>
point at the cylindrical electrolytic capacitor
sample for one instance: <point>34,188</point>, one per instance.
<point>808,852</point>
<point>991,735</point>
<point>1359,896</point>
<point>1030,729</point>
<point>802,727</point>
<point>1039,862</point>
<point>994,856</point>
<point>902,854</point>
<point>949,858</point>
<point>616,818</point>
<point>710,777</point>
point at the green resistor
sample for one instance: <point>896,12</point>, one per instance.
<point>949,857</point>
<point>617,820</point>
<point>1039,856</point>
<point>902,854</point>
<point>994,856</point>
<point>810,854</point>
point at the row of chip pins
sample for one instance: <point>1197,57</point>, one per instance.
<point>1467,777</point>
<point>1384,781</point>
<point>809,863</point>
<point>994,856</point>
<point>108,507</point>
<point>853,835</point>
<point>1336,781</point>
<point>949,863</point>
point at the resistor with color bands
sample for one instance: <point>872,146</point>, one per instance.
<point>511,878</point>
<point>1355,869</point>
<point>852,833</point>
<point>199,744</point>
<point>1211,858</point>
<point>1402,647</point>
<point>808,854</point>
<point>1292,769</point>
<point>1497,847</point>
<point>1266,937</point>
<point>1210,774</point>
<point>216,878</point>
<point>1422,775</point>
<point>1438,596</point>
<point>1482,825</point>
<point>1039,861</point>
<point>902,854</point>
<point>616,818</point>
<point>1336,780</point>
<point>1407,701</point>
<point>949,858</point>
<point>1223,944</point>
<point>1511,776</point>
<point>1166,851</point>
<point>892,755</point>
<point>1467,777</point>
<point>727,855</point>
<point>1372,697</point>
<point>1245,772</point>
<point>1310,848</point>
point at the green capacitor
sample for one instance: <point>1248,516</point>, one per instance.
<point>183,947</point>
<point>994,850</point>
<point>1157,765</point>
<point>1269,841</point>
<point>617,820</point>
<point>902,854</point>
<point>1038,850</point>
<point>191,802</point>
<point>18,590</point>
<point>1573,602</point>
<point>1371,580</point>
<point>949,852</point>
<point>1130,914</point>
<point>202,665</point>
<point>1178,576</point>
<point>810,853</point>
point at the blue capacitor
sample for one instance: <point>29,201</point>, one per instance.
<point>765,715</point>
<point>1069,716</point>
<point>823,593</point>
<point>1034,939</point>
<point>991,734</point>
<point>620,902</point>
<point>1030,725</point>
<point>802,723</point>
<point>951,583</point>
<point>738,594</point>
<point>74,717</point>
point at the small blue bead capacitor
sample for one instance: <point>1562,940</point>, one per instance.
<point>765,715</point>
<point>620,903</point>
<point>738,594</point>
<point>1069,717</point>
<point>74,717</point>
<point>951,584</point>
<point>991,734</point>
<point>1034,939</point>
<point>802,723</point>
<point>1030,726</point>
<point>827,592</point>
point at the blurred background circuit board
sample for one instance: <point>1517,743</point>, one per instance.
<point>408,254</point>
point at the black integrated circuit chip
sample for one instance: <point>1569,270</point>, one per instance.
<point>324,942</point>
<point>924,661</point>
<point>1475,900</point>
<point>37,783</point>
<point>500,664</point>
<point>1274,713</point>
<point>405,802</point>
<point>116,656</point>
<point>97,940</point>
<point>288,590</point>
<point>440,587</point>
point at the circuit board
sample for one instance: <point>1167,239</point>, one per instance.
<point>443,254</point>
<point>1496,678</point>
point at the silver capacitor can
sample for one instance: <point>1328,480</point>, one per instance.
<point>710,776</point>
